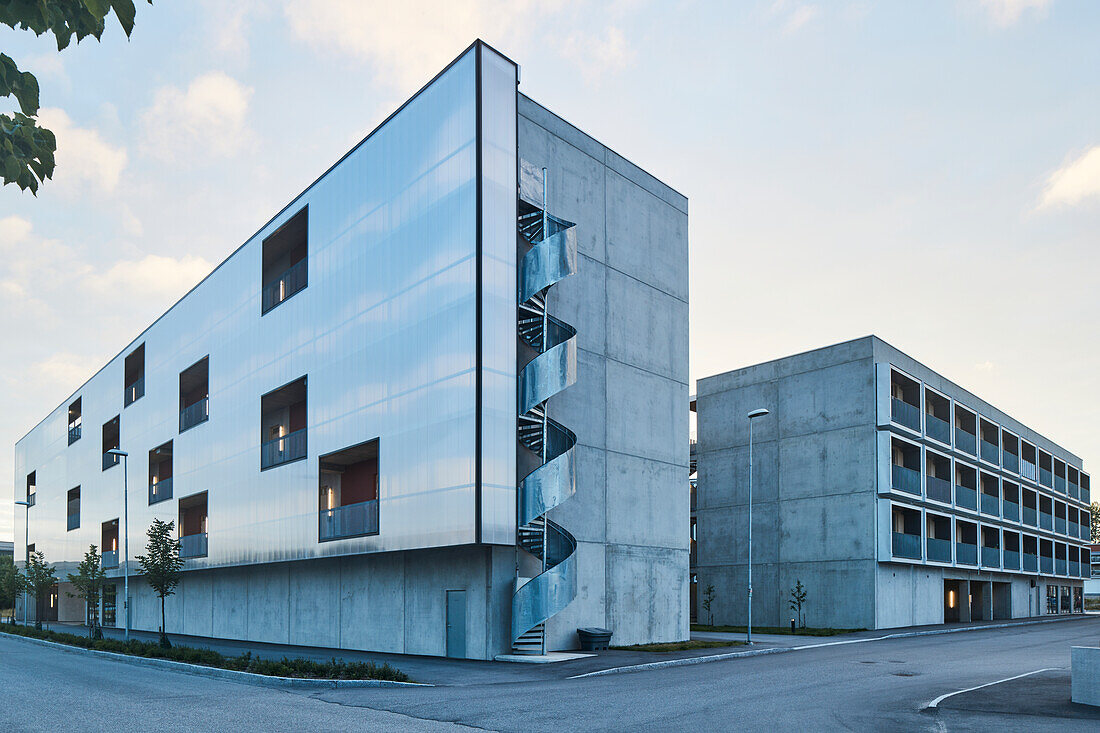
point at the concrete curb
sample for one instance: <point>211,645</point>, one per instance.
<point>778,650</point>
<point>248,678</point>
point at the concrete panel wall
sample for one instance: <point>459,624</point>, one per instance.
<point>628,301</point>
<point>908,595</point>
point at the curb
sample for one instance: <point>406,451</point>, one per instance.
<point>779,650</point>
<point>248,678</point>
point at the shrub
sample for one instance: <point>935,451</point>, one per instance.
<point>300,668</point>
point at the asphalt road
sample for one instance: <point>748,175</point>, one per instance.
<point>878,685</point>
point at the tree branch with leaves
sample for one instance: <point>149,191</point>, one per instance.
<point>39,578</point>
<point>88,582</point>
<point>27,150</point>
<point>161,564</point>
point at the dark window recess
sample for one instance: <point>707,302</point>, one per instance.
<point>160,473</point>
<point>134,381</point>
<point>110,442</point>
<point>195,394</point>
<point>348,496</point>
<point>285,257</point>
<point>74,421</point>
<point>283,425</point>
<point>109,536</point>
<point>193,526</point>
<point>73,509</point>
<point>32,487</point>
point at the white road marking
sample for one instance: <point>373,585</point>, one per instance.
<point>941,698</point>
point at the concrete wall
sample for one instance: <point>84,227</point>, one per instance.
<point>391,602</point>
<point>629,303</point>
<point>813,488</point>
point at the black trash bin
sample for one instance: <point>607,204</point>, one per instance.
<point>593,639</point>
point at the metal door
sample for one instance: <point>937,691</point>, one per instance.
<point>456,623</point>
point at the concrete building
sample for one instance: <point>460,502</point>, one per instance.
<point>1092,585</point>
<point>897,497</point>
<point>419,411</point>
<point>7,549</point>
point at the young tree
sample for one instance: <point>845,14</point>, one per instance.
<point>798,598</point>
<point>88,582</point>
<point>40,578</point>
<point>161,565</point>
<point>708,600</point>
<point>11,583</point>
<point>26,150</point>
<point>1095,511</point>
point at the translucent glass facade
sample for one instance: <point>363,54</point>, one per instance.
<point>386,334</point>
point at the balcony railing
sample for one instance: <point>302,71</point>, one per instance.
<point>989,504</point>
<point>1011,510</point>
<point>1028,469</point>
<point>109,559</point>
<point>1031,562</point>
<point>991,452</point>
<point>1012,560</point>
<point>1011,462</point>
<point>110,459</point>
<point>1074,490</point>
<point>284,286</point>
<point>1046,521</point>
<point>1084,495</point>
<point>939,550</point>
<point>1086,532</point>
<point>160,491</point>
<point>290,447</point>
<point>72,520</point>
<point>1074,569</point>
<point>906,545</point>
<point>1046,565</point>
<point>1030,516</point>
<point>991,557</point>
<point>937,429</point>
<point>1060,484</point>
<point>193,545</point>
<point>966,498</point>
<point>74,434</point>
<point>352,520</point>
<point>905,479</point>
<point>30,499</point>
<point>1046,477</point>
<point>134,391</point>
<point>1060,525</point>
<point>194,414</point>
<point>938,489</point>
<point>1060,567</point>
<point>966,441</point>
<point>1073,530</point>
<point>966,553</point>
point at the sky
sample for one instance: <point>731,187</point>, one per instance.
<point>927,172</point>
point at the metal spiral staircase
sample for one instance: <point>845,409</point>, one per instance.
<point>552,256</point>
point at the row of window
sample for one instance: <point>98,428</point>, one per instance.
<point>937,538</point>
<point>921,472</point>
<point>928,413</point>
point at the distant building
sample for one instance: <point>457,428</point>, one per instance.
<point>7,549</point>
<point>1092,585</point>
<point>420,411</point>
<point>897,497</point>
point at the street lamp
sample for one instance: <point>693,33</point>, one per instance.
<point>760,412</point>
<point>125,539</point>
<point>27,549</point>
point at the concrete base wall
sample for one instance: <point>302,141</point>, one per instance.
<point>391,602</point>
<point>1085,675</point>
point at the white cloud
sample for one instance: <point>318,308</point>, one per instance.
<point>84,160</point>
<point>14,230</point>
<point>1004,13</point>
<point>794,15</point>
<point>1075,182</point>
<point>207,119</point>
<point>165,278</point>
<point>597,55</point>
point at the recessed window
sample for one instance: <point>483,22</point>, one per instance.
<point>283,425</point>
<point>73,509</point>
<point>109,543</point>
<point>110,442</point>
<point>195,394</point>
<point>74,421</point>
<point>348,496</point>
<point>134,380</point>
<point>193,526</point>
<point>32,487</point>
<point>285,257</point>
<point>160,473</point>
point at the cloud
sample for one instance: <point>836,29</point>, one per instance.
<point>60,370</point>
<point>84,160</point>
<point>597,55</point>
<point>794,15</point>
<point>208,119</point>
<point>1004,13</point>
<point>151,276</point>
<point>1075,182</point>
<point>14,230</point>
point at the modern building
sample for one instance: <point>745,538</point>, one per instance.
<point>433,406</point>
<point>1092,585</point>
<point>895,496</point>
<point>7,549</point>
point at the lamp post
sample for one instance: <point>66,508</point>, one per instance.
<point>125,538</point>
<point>26,549</point>
<point>760,412</point>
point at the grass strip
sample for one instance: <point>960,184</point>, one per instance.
<point>807,631</point>
<point>677,646</point>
